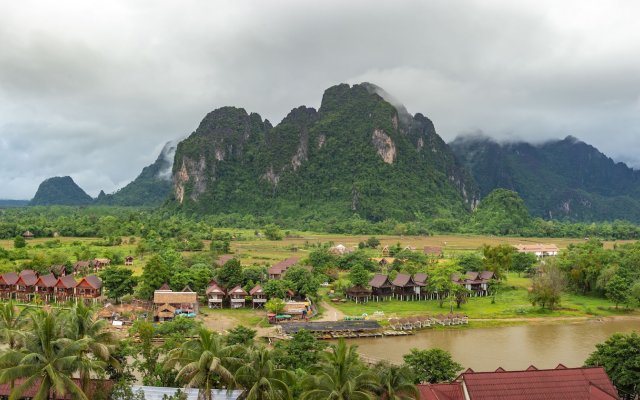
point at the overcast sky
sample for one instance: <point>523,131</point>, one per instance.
<point>93,89</point>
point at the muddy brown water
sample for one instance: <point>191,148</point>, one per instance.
<point>513,347</point>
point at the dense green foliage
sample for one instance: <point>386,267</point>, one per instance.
<point>355,156</point>
<point>564,179</point>
<point>432,366</point>
<point>60,190</point>
<point>502,212</point>
<point>619,356</point>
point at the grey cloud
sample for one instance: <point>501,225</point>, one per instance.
<point>94,91</point>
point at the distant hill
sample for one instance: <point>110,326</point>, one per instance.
<point>60,190</point>
<point>150,188</point>
<point>560,179</point>
<point>360,153</point>
<point>6,203</point>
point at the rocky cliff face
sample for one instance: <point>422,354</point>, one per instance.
<point>357,153</point>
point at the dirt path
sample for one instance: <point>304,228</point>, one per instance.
<point>330,313</point>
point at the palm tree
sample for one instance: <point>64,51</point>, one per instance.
<point>206,360</point>
<point>12,324</point>
<point>340,376</point>
<point>395,383</point>
<point>82,324</point>
<point>262,380</point>
<point>47,361</point>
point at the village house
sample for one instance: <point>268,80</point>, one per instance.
<point>237,297</point>
<point>476,282</point>
<point>381,287</point>
<point>168,303</point>
<point>258,297</point>
<point>99,264</point>
<point>215,294</point>
<point>128,260</point>
<point>89,287</point>
<point>405,288</point>
<point>421,280</point>
<point>65,288</point>
<point>8,285</point>
<point>25,285</point>
<point>539,250</point>
<point>27,235</point>
<point>358,294</point>
<point>46,286</point>
<point>276,271</point>
<point>561,383</point>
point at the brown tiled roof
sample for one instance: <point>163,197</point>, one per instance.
<point>214,288</point>
<point>358,290</point>
<point>165,286</point>
<point>403,280</point>
<point>283,265</point>
<point>28,278</point>
<point>420,277</point>
<point>46,281</point>
<point>93,281</point>
<point>487,275</point>
<point>8,278</point>
<point>58,269</point>
<point>67,282</point>
<point>103,386</point>
<point>471,276</point>
<point>380,281</point>
<point>257,289</point>
<point>238,290</point>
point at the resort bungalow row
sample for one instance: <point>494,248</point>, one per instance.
<point>28,285</point>
<point>408,287</point>
<point>216,295</point>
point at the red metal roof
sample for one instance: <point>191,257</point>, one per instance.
<point>91,281</point>
<point>8,278</point>
<point>257,289</point>
<point>66,282</point>
<point>550,384</point>
<point>47,281</point>
<point>104,386</point>
<point>441,391</point>
<point>283,265</point>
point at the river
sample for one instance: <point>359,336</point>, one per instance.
<point>514,347</point>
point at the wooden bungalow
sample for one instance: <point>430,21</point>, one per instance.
<point>185,301</point>
<point>237,295</point>
<point>405,288</point>
<point>381,287</point>
<point>46,286</point>
<point>25,285</point>
<point>421,280</point>
<point>99,264</point>
<point>81,266</point>
<point>215,295</point>
<point>8,285</point>
<point>276,271</point>
<point>358,294</point>
<point>65,288</point>
<point>89,287</point>
<point>258,297</point>
<point>128,260</point>
<point>165,312</point>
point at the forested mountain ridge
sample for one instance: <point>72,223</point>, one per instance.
<point>60,190</point>
<point>357,154</point>
<point>150,188</point>
<point>560,179</point>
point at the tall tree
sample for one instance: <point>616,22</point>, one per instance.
<point>339,376</point>
<point>396,383</point>
<point>619,356</point>
<point>48,360</point>
<point>204,361</point>
<point>261,378</point>
<point>498,259</point>
<point>12,324</point>
<point>432,366</point>
<point>118,281</point>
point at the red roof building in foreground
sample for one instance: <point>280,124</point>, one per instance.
<point>560,383</point>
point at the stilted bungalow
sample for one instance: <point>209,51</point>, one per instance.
<point>25,286</point>
<point>215,295</point>
<point>128,260</point>
<point>81,266</point>
<point>89,288</point>
<point>258,297</point>
<point>99,264</point>
<point>238,296</point>
<point>65,288</point>
<point>358,294</point>
<point>46,286</point>
<point>381,287</point>
<point>8,285</point>
<point>405,288</point>
<point>421,280</point>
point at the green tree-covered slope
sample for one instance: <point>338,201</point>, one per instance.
<point>60,190</point>
<point>358,154</point>
<point>564,179</point>
<point>150,188</point>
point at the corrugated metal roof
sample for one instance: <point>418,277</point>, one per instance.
<point>156,393</point>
